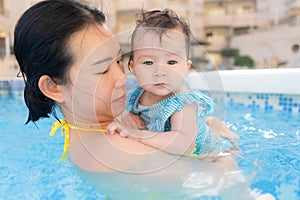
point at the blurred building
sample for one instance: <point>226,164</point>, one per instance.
<point>5,29</point>
<point>266,30</point>
<point>223,20</point>
<point>276,42</point>
<point>10,11</point>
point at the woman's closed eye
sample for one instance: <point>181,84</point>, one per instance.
<point>104,72</point>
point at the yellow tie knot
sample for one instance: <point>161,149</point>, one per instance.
<point>66,133</point>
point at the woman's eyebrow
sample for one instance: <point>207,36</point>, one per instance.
<point>102,61</point>
<point>106,59</point>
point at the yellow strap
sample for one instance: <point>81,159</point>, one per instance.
<point>192,155</point>
<point>66,133</point>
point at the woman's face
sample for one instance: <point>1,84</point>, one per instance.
<point>96,90</point>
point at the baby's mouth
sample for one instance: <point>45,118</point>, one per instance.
<point>160,84</point>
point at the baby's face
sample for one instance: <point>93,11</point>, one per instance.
<point>160,62</point>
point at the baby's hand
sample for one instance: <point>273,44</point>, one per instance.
<point>220,129</point>
<point>117,128</point>
<point>132,120</point>
<point>113,128</point>
<point>123,131</point>
<point>226,133</point>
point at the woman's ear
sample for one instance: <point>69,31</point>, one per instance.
<point>50,89</point>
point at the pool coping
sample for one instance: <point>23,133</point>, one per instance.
<point>276,81</point>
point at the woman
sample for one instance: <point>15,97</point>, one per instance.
<point>69,59</point>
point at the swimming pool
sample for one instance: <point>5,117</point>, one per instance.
<point>28,163</point>
<point>268,124</point>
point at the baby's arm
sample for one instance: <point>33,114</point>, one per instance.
<point>132,120</point>
<point>127,120</point>
<point>219,128</point>
<point>180,140</point>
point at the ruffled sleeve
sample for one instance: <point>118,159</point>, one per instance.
<point>176,102</point>
<point>205,103</point>
<point>132,97</point>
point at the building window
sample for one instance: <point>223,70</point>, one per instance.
<point>2,9</point>
<point>248,9</point>
<point>2,47</point>
<point>295,48</point>
<point>208,35</point>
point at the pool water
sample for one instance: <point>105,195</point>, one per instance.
<point>28,163</point>
<point>269,141</point>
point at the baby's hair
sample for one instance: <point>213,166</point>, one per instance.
<point>160,21</point>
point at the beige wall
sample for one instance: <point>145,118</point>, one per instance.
<point>269,48</point>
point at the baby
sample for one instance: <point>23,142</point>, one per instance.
<point>175,117</point>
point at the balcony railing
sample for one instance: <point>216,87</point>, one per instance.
<point>231,20</point>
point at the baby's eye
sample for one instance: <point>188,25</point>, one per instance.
<point>148,63</point>
<point>172,62</point>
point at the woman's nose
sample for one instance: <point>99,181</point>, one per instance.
<point>122,81</point>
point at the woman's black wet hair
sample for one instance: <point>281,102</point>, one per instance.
<point>160,21</point>
<point>41,39</point>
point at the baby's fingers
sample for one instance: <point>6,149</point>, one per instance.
<point>123,134</point>
<point>113,128</point>
<point>137,120</point>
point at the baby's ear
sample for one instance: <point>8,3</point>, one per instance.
<point>131,63</point>
<point>130,66</point>
<point>189,64</point>
<point>50,89</point>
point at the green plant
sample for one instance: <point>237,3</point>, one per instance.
<point>281,63</point>
<point>230,52</point>
<point>199,60</point>
<point>244,61</point>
